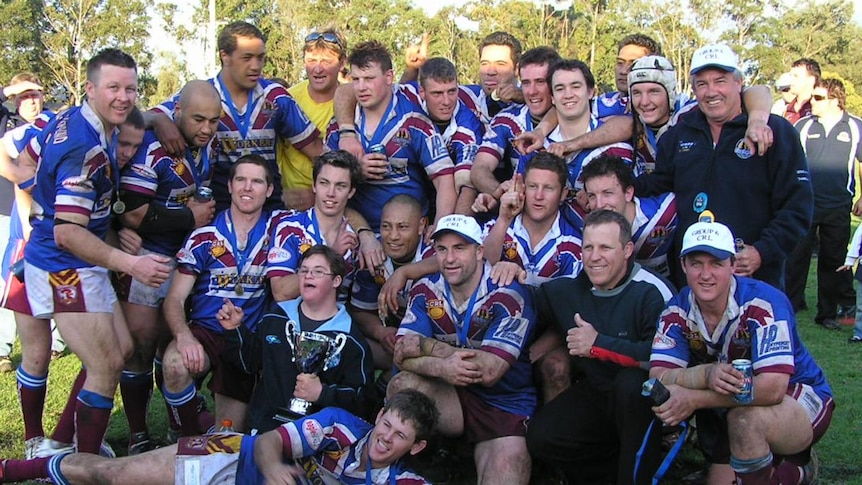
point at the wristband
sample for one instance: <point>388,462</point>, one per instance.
<point>359,231</point>
<point>348,131</point>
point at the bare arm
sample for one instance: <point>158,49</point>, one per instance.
<point>174,306</point>
<point>285,287</point>
<point>16,170</point>
<point>446,196</point>
<point>268,451</point>
<point>482,173</point>
<point>758,102</point>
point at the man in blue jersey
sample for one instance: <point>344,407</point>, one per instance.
<point>159,192</point>
<point>330,446</point>
<point>413,155</point>
<point>255,112</point>
<point>718,318</point>
<point>226,259</point>
<point>66,259</point>
<point>464,341</point>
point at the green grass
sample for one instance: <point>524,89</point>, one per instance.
<point>839,451</point>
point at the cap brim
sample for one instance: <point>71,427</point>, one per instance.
<point>718,253</point>
<point>713,66</point>
<point>440,232</point>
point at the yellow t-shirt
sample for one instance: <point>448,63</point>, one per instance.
<point>295,167</point>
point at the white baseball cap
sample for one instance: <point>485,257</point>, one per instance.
<point>709,237</point>
<point>720,56</point>
<point>464,226</point>
<point>784,81</point>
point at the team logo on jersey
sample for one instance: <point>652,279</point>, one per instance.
<point>66,294</point>
<point>217,249</point>
<point>61,132</point>
<point>402,137</point>
<point>313,432</point>
<point>273,339</point>
<point>609,101</point>
<point>741,150</point>
<point>178,166</point>
<point>435,309</point>
<point>685,146</point>
<point>79,184</point>
<point>480,319</point>
<point>742,337</point>
<point>695,340</point>
<point>512,330</point>
<point>278,255</point>
<point>185,256</point>
<point>510,250</point>
<point>658,233</point>
<point>844,137</point>
<point>305,245</point>
<point>662,342</point>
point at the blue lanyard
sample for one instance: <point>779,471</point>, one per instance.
<point>668,459</point>
<point>198,173</point>
<point>242,122</point>
<point>462,323</point>
<point>318,237</point>
<point>651,137</point>
<point>534,259</point>
<point>242,256</point>
<point>366,143</point>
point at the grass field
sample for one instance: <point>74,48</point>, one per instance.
<point>840,459</point>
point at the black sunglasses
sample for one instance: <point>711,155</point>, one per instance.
<point>326,36</point>
<point>819,97</point>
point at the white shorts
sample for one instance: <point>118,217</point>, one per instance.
<point>208,459</point>
<point>133,291</point>
<point>82,290</point>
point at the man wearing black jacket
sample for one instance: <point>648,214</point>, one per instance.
<point>348,379</point>
<point>592,431</point>
<point>766,200</point>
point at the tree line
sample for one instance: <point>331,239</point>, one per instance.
<point>54,38</point>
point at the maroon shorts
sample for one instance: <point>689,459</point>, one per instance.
<point>227,379</point>
<point>483,422</point>
<point>15,294</point>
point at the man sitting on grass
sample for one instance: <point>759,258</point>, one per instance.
<point>332,446</point>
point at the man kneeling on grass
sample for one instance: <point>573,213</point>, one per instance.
<point>760,427</point>
<point>331,446</point>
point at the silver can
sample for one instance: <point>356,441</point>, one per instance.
<point>746,392</point>
<point>204,194</point>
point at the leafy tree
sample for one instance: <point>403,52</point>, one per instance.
<point>78,29</point>
<point>20,39</point>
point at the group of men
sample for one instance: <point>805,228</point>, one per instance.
<point>530,337</point>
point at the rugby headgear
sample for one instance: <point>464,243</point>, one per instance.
<point>655,69</point>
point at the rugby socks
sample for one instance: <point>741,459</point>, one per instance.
<point>31,395</point>
<point>160,384</point>
<point>65,430</point>
<point>21,470</point>
<point>91,420</point>
<point>184,406</point>
<point>136,389</point>
<point>757,471</point>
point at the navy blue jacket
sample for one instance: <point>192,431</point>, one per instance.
<point>765,200</point>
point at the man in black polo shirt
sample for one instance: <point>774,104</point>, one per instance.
<point>831,139</point>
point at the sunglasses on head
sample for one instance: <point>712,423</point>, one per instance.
<point>785,89</point>
<point>819,97</point>
<point>326,36</point>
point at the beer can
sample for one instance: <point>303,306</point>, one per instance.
<point>204,194</point>
<point>746,392</point>
<point>378,148</point>
<point>738,244</point>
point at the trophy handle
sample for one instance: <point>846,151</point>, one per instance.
<point>290,331</point>
<point>340,342</point>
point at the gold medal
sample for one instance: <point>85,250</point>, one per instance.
<point>118,207</point>
<point>239,290</point>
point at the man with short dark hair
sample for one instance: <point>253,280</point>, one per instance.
<point>346,379</point>
<point>832,140</point>
<point>225,259</point>
<point>607,314</point>
<point>66,259</point>
<point>255,112</point>
<point>631,48</point>
<point>805,74</point>
<point>756,428</point>
<point>331,446</point>
<point>499,57</point>
<point>404,154</point>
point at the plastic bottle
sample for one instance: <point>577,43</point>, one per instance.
<point>226,426</point>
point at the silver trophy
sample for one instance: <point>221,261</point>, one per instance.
<point>313,353</point>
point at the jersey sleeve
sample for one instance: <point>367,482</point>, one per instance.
<point>432,152</point>
<point>365,291</point>
<point>75,190</point>
<point>329,430</point>
<point>192,257</point>
<point>141,174</point>
<point>769,321</point>
<point>284,251</point>
<point>291,122</point>
<point>669,346</point>
<point>512,323</point>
